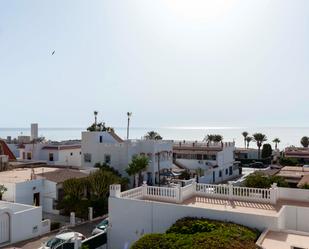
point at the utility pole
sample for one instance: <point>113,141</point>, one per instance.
<point>129,114</point>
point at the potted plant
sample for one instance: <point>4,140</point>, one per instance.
<point>3,189</point>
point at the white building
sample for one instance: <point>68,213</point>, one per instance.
<point>65,155</point>
<point>20,222</point>
<point>34,131</point>
<point>107,147</point>
<point>215,159</point>
<point>150,209</point>
<point>38,186</point>
<point>246,153</point>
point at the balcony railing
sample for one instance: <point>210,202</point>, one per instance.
<point>179,194</point>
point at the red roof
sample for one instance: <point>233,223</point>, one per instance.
<point>5,150</point>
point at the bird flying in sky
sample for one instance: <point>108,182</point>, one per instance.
<point>53,52</point>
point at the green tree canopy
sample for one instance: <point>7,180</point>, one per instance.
<point>245,135</point>
<point>259,138</point>
<point>305,141</point>
<point>260,180</point>
<point>266,151</point>
<point>152,135</point>
<point>276,141</point>
<point>248,140</point>
<point>137,166</point>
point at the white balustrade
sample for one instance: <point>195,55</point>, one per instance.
<point>135,193</point>
<point>179,194</point>
<point>162,193</point>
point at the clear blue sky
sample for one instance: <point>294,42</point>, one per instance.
<point>170,62</point>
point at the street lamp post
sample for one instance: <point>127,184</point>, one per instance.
<point>129,114</point>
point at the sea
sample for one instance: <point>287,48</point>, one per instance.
<point>288,135</point>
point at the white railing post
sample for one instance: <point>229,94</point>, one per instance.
<point>230,191</point>
<point>72,219</point>
<point>178,194</point>
<point>90,214</point>
<point>273,193</point>
<point>194,184</point>
<point>115,190</point>
<point>144,190</point>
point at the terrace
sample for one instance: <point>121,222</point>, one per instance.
<point>201,146</point>
<point>226,197</point>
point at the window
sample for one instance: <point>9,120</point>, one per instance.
<point>71,153</point>
<point>230,170</point>
<point>101,139</point>
<point>29,156</point>
<point>213,157</point>
<point>87,158</point>
<point>107,159</point>
<point>226,171</point>
<point>199,157</point>
<point>51,157</point>
<point>220,173</point>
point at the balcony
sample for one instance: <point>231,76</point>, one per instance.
<point>220,197</point>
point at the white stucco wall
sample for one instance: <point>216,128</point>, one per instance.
<point>24,191</point>
<point>144,217</point>
<point>293,194</point>
<point>49,196</point>
<point>24,224</point>
<point>71,157</point>
<point>9,195</point>
<point>122,153</point>
<point>25,221</point>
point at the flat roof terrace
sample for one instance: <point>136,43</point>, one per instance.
<point>219,197</point>
<point>22,174</point>
<point>284,240</point>
<point>15,207</point>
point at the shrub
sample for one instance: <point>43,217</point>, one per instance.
<point>185,175</point>
<point>208,234</point>
<point>54,225</point>
<point>286,161</point>
<point>260,180</point>
<point>191,226</point>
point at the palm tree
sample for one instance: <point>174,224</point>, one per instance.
<point>259,138</point>
<point>305,141</point>
<point>248,140</point>
<point>276,141</point>
<point>136,167</point>
<point>152,135</point>
<point>209,138</point>
<point>199,172</point>
<point>129,114</point>
<point>95,117</point>
<point>245,135</point>
<point>218,139</point>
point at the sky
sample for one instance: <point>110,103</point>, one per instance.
<point>169,62</point>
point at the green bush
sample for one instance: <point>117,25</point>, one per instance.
<point>191,226</point>
<point>54,225</point>
<point>208,234</point>
<point>260,180</point>
<point>286,161</point>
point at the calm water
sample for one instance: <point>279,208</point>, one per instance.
<point>287,135</point>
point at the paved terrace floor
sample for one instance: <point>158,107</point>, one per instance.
<point>284,240</point>
<point>249,207</point>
